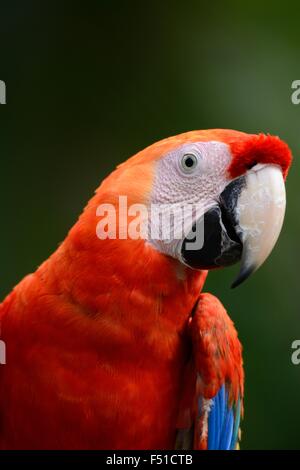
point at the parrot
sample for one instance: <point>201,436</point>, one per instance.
<point>112,343</point>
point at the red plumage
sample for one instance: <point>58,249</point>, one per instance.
<point>259,149</point>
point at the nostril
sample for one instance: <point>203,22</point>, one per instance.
<point>251,165</point>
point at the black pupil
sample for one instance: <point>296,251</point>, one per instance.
<point>189,162</point>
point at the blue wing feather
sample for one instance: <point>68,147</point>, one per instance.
<point>221,402</point>
<point>223,422</point>
<point>227,431</point>
<point>236,425</point>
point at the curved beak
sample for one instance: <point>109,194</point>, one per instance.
<point>245,224</point>
<point>260,213</point>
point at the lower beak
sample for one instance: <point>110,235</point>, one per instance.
<point>245,225</point>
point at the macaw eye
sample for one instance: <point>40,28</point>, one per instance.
<point>189,162</point>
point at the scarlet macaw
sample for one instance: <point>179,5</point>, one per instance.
<point>110,343</point>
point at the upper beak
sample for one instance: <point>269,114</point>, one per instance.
<point>244,225</point>
<point>260,213</point>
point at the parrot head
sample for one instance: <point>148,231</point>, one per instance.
<point>237,179</point>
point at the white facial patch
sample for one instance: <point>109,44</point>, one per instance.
<point>191,176</point>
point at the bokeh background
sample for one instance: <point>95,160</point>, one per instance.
<point>90,84</point>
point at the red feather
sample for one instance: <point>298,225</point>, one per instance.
<point>259,149</point>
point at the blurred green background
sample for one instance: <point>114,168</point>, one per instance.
<point>89,85</point>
